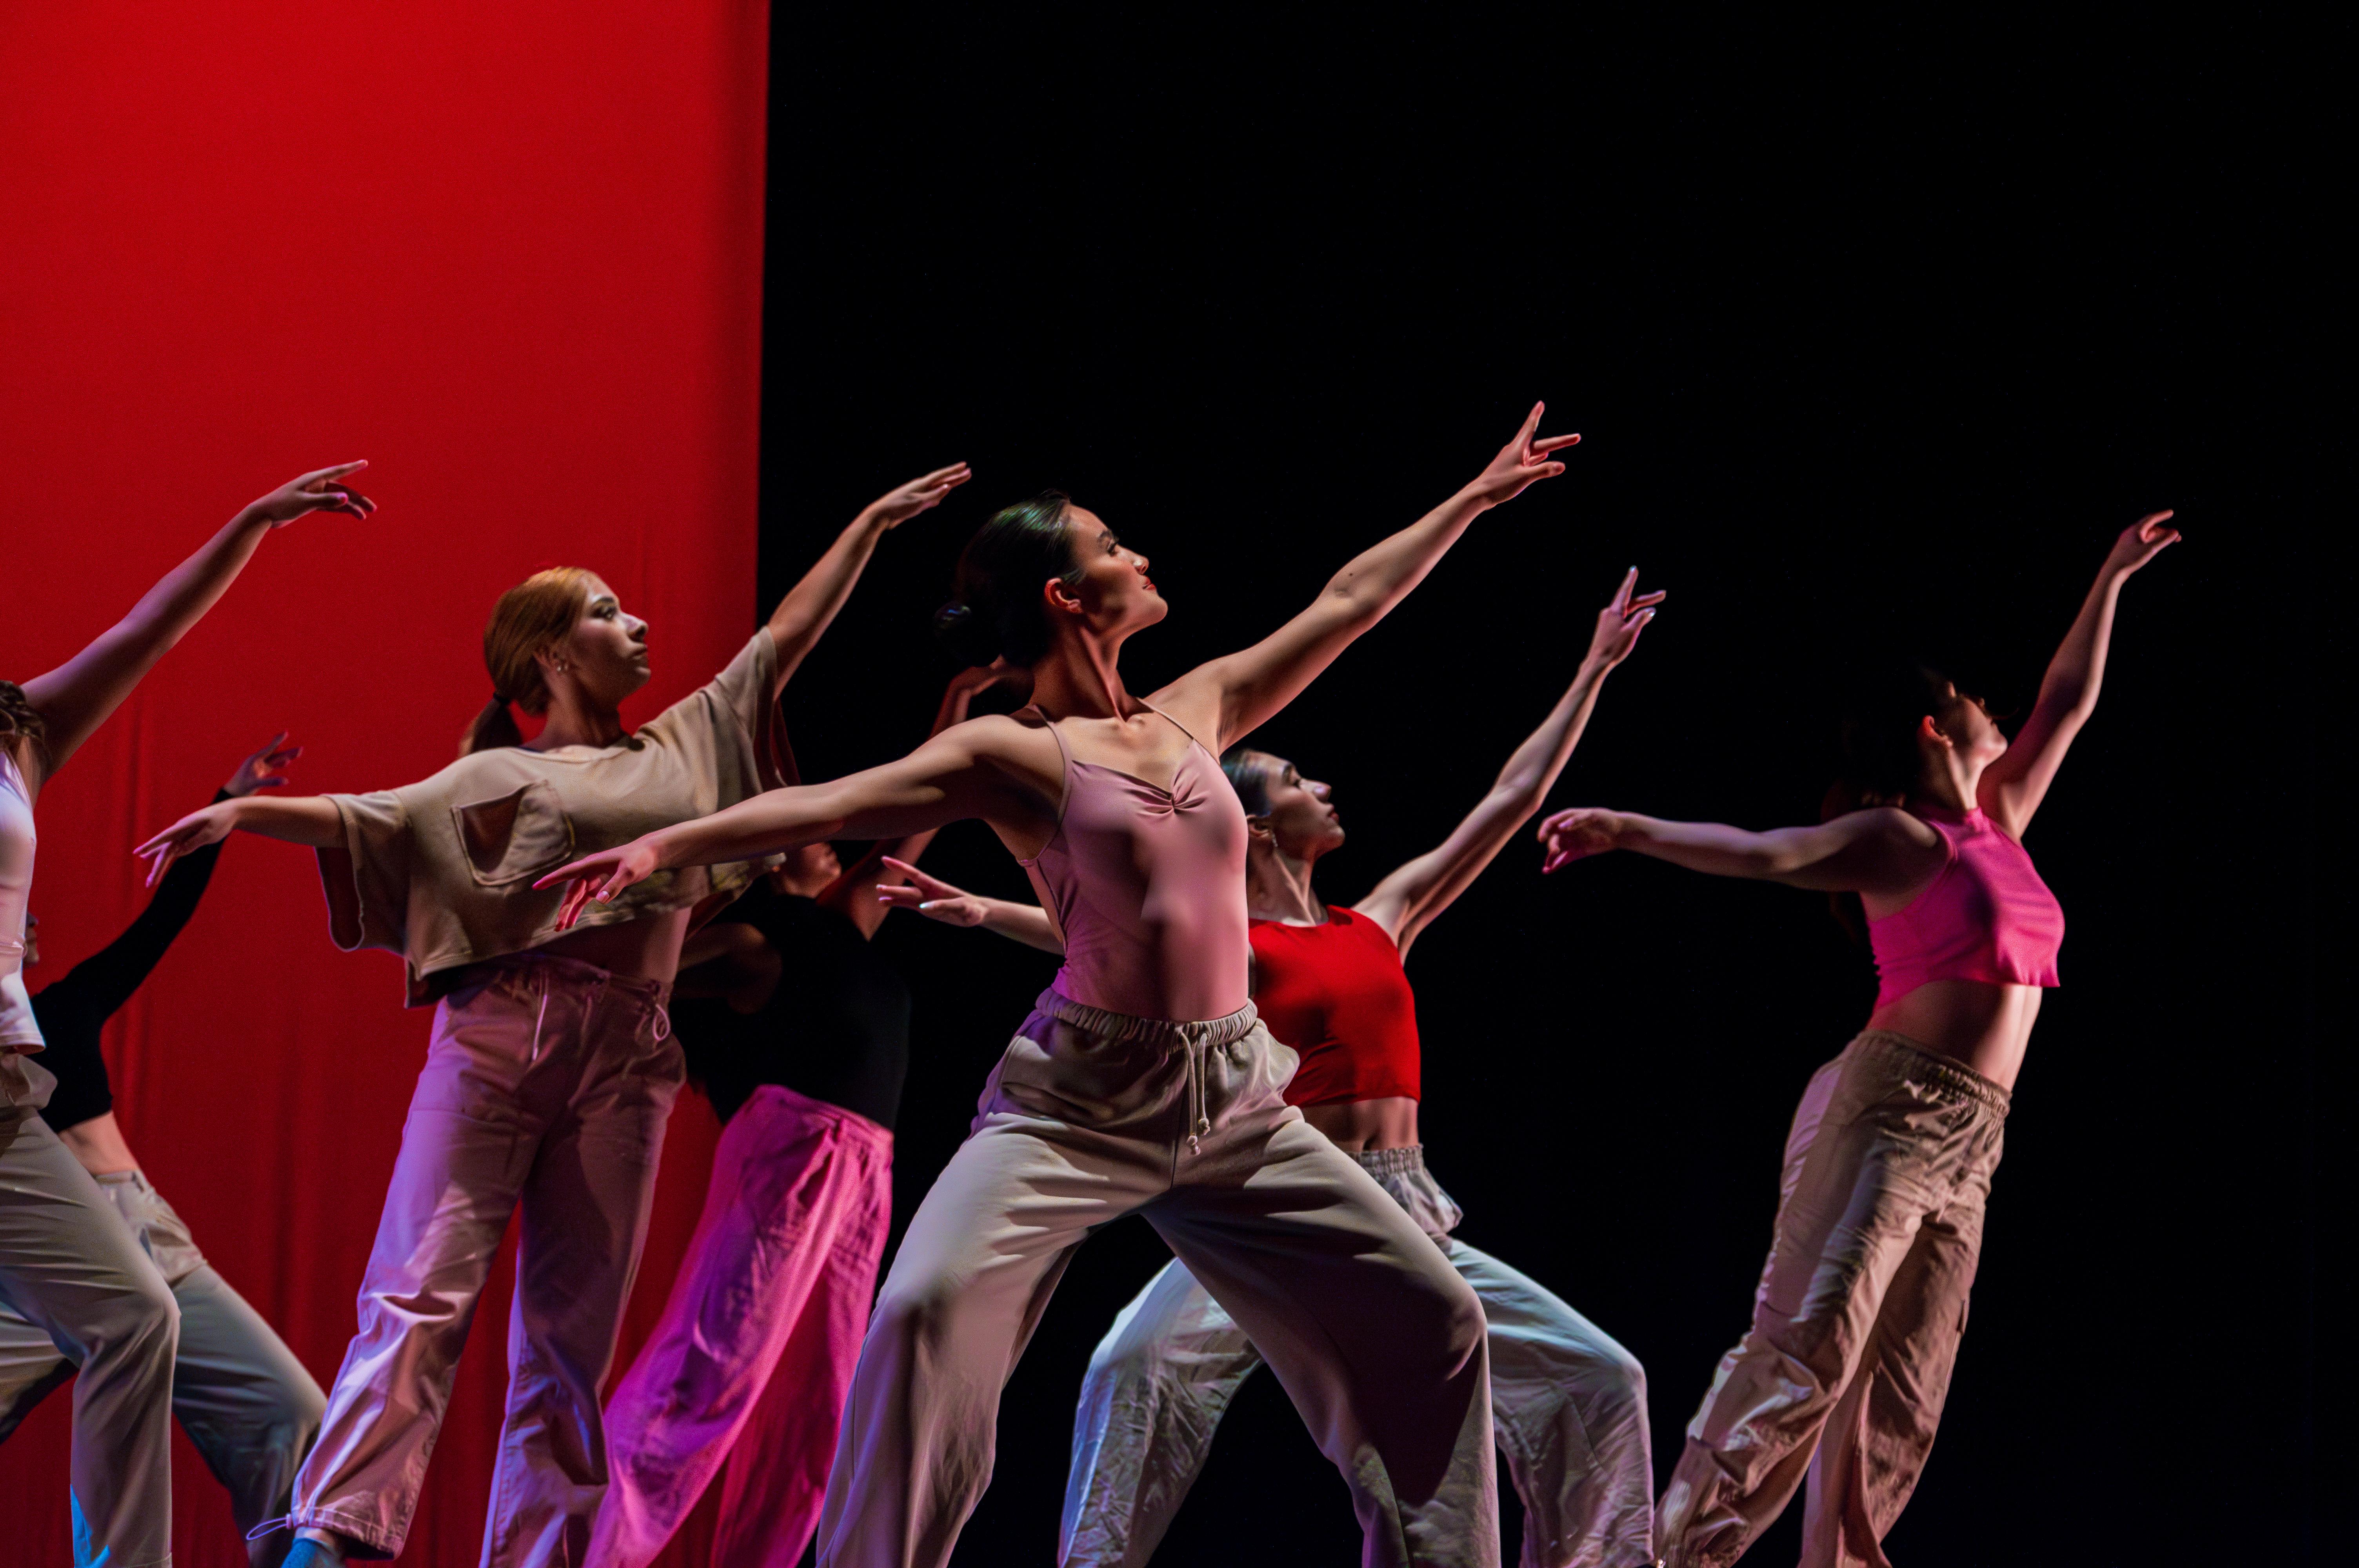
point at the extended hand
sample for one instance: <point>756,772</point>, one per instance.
<point>1577,834</point>
<point>186,837</point>
<point>315,492</point>
<point>931,897</point>
<point>897,505</point>
<point>261,770</point>
<point>600,876</point>
<point>1619,623</point>
<point>1521,462</point>
<point>2141,542</point>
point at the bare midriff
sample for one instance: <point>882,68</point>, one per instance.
<point>98,1144</point>
<point>1986,1026</point>
<point>1363,1126</point>
<point>643,949</point>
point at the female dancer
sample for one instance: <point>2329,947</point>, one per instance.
<point>1143,1083</point>
<point>67,1266</point>
<point>1567,1403</point>
<point>551,1067</point>
<point>801,1037</point>
<point>239,1394</point>
<point>1889,1167</point>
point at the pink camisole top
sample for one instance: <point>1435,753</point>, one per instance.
<point>1986,916</point>
<point>1149,886</point>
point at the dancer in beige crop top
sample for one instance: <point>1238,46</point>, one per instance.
<point>1144,1082</point>
<point>67,1264</point>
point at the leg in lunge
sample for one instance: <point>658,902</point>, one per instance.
<point>1157,1388</point>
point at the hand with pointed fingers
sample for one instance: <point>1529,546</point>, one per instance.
<point>1522,461</point>
<point>2141,542</point>
<point>1619,623</point>
<point>600,876</point>
<point>265,769</point>
<point>186,837</point>
<point>976,679</point>
<point>931,897</point>
<point>1576,834</point>
<point>899,505</point>
<point>319,490</point>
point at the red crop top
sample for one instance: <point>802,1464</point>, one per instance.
<point>1987,916</point>
<point>1336,994</point>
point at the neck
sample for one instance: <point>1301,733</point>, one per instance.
<point>572,723</point>
<point>1277,887</point>
<point>1079,679</point>
<point>1952,788</point>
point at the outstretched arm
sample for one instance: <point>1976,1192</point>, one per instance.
<point>1881,852</point>
<point>958,773</point>
<point>938,899</point>
<point>1406,900</point>
<point>74,698</point>
<point>1242,690</point>
<point>796,625</point>
<point>2012,787</point>
<point>853,894</point>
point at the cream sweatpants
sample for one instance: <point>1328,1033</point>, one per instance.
<point>1567,1404</point>
<point>1090,1115</point>
<point>239,1394</point>
<point>1856,1322</point>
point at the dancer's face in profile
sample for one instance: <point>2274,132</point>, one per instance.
<point>1115,595</point>
<point>1971,733</point>
<point>606,652</point>
<point>1302,821</point>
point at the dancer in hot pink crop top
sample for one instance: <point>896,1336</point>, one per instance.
<point>1143,1082</point>
<point>1889,1162</point>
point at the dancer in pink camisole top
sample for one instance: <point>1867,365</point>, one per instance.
<point>1888,1165</point>
<point>1143,1082</point>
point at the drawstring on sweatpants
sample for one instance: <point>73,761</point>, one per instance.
<point>1193,1045</point>
<point>533,1054</point>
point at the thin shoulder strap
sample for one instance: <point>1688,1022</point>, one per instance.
<point>1177,725</point>
<point>1064,758</point>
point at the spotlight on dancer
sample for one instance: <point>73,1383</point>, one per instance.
<point>1888,1165</point>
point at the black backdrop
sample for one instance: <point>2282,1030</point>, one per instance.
<point>1874,342</point>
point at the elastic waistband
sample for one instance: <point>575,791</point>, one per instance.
<point>574,971</point>
<point>1408,1159</point>
<point>1923,1062</point>
<point>1163,1031</point>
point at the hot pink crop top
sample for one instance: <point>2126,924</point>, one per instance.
<point>1987,916</point>
<point>1150,888</point>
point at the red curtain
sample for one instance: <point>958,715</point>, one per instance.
<point>511,255</point>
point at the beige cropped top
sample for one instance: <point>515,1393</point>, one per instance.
<point>440,872</point>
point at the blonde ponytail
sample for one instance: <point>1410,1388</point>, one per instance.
<point>535,614</point>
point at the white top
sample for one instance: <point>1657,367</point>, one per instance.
<point>18,1029</point>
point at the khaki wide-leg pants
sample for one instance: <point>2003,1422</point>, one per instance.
<point>1567,1403</point>
<point>547,1086</point>
<point>1856,1322</point>
<point>238,1391</point>
<point>71,1270</point>
<point>1090,1115</point>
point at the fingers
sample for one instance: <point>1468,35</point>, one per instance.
<point>337,471</point>
<point>570,910</point>
<point>1552,443</point>
<point>1555,822</point>
<point>1621,600</point>
<point>1645,601</point>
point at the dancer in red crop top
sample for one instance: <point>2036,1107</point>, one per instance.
<point>1143,1083</point>
<point>1889,1167</point>
<point>1570,1403</point>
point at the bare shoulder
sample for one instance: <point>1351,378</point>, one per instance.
<point>1886,825</point>
<point>1194,702</point>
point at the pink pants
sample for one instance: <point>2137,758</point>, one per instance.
<point>547,1085</point>
<point>754,1357</point>
<point>1856,1323</point>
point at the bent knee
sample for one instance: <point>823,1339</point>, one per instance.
<point>140,1321</point>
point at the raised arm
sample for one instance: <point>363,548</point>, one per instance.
<point>796,625</point>
<point>1407,900</point>
<point>2013,786</point>
<point>969,770</point>
<point>1882,853</point>
<point>853,894</point>
<point>1246,689</point>
<point>74,698</point>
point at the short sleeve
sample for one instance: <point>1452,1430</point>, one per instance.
<point>367,877</point>
<point>742,689</point>
<point>727,730</point>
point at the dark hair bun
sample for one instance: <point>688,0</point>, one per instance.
<point>966,633</point>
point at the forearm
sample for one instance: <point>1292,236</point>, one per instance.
<point>296,819</point>
<point>1712,848</point>
<point>2078,670</point>
<point>1026,923</point>
<point>1535,765</point>
<point>1378,578</point>
<point>811,604</point>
